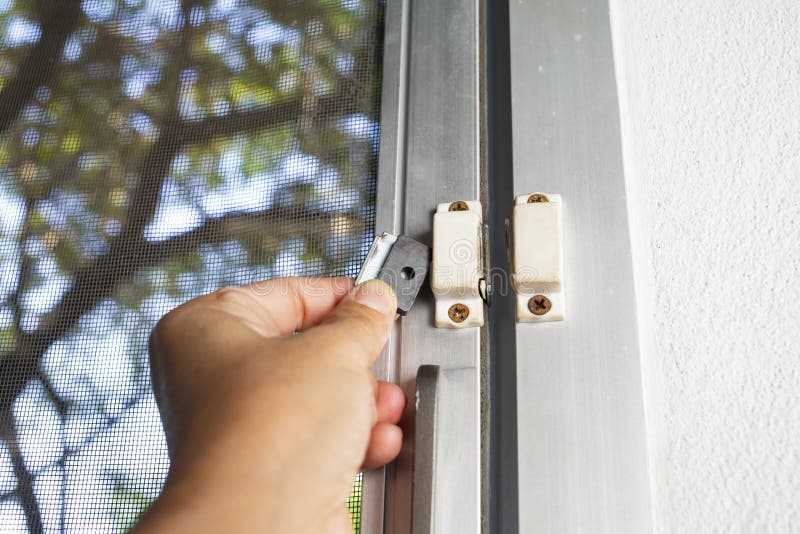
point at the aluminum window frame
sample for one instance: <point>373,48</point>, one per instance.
<point>430,152</point>
<point>568,449</point>
<point>580,430</point>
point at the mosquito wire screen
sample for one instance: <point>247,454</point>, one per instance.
<point>152,151</point>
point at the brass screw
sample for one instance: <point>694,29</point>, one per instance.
<point>458,313</point>
<point>537,197</point>
<point>458,205</point>
<point>539,305</point>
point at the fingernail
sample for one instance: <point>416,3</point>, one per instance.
<point>377,295</point>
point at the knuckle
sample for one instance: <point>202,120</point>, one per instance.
<point>227,296</point>
<point>164,330</point>
<point>169,328</point>
<point>165,326</point>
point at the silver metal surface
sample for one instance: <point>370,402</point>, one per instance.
<point>456,494</point>
<point>426,403</point>
<point>430,153</point>
<point>581,429</point>
<point>439,418</point>
<point>376,257</point>
<point>389,215</point>
<point>406,270</point>
<point>401,262</point>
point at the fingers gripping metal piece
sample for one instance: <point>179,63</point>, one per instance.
<point>399,261</point>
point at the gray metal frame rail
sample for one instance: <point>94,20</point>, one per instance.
<point>429,153</point>
<point>581,428</point>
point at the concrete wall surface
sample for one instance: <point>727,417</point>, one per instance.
<point>710,105</point>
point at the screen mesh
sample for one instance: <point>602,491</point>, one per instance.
<point>152,151</point>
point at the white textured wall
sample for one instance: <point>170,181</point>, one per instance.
<point>710,98</point>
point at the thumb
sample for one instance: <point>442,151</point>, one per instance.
<point>357,328</point>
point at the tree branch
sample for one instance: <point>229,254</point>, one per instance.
<point>284,223</point>
<point>57,20</point>
<point>190,131</point>
<point>107,425</point>
<point>59,404</point>
<point>24,490</point>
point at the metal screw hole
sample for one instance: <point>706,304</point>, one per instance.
<point>407,273</point>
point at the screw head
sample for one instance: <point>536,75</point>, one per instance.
<point>539,305</point>
<point>458,205</point>
<point>537,197</point>
<point>458,312</point>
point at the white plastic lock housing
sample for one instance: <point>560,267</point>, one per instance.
<point>457,265</point>
<point>538,258</point>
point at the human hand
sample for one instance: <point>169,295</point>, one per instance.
<point>266,429</point>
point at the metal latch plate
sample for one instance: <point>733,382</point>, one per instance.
<point>399,261</point>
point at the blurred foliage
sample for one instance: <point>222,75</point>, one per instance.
<point>127,503</point>
<point>165,149</point>
<point>354,504</point>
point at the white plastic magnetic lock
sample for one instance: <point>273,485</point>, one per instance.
<point>538,258</point>
<point>457,266</point>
